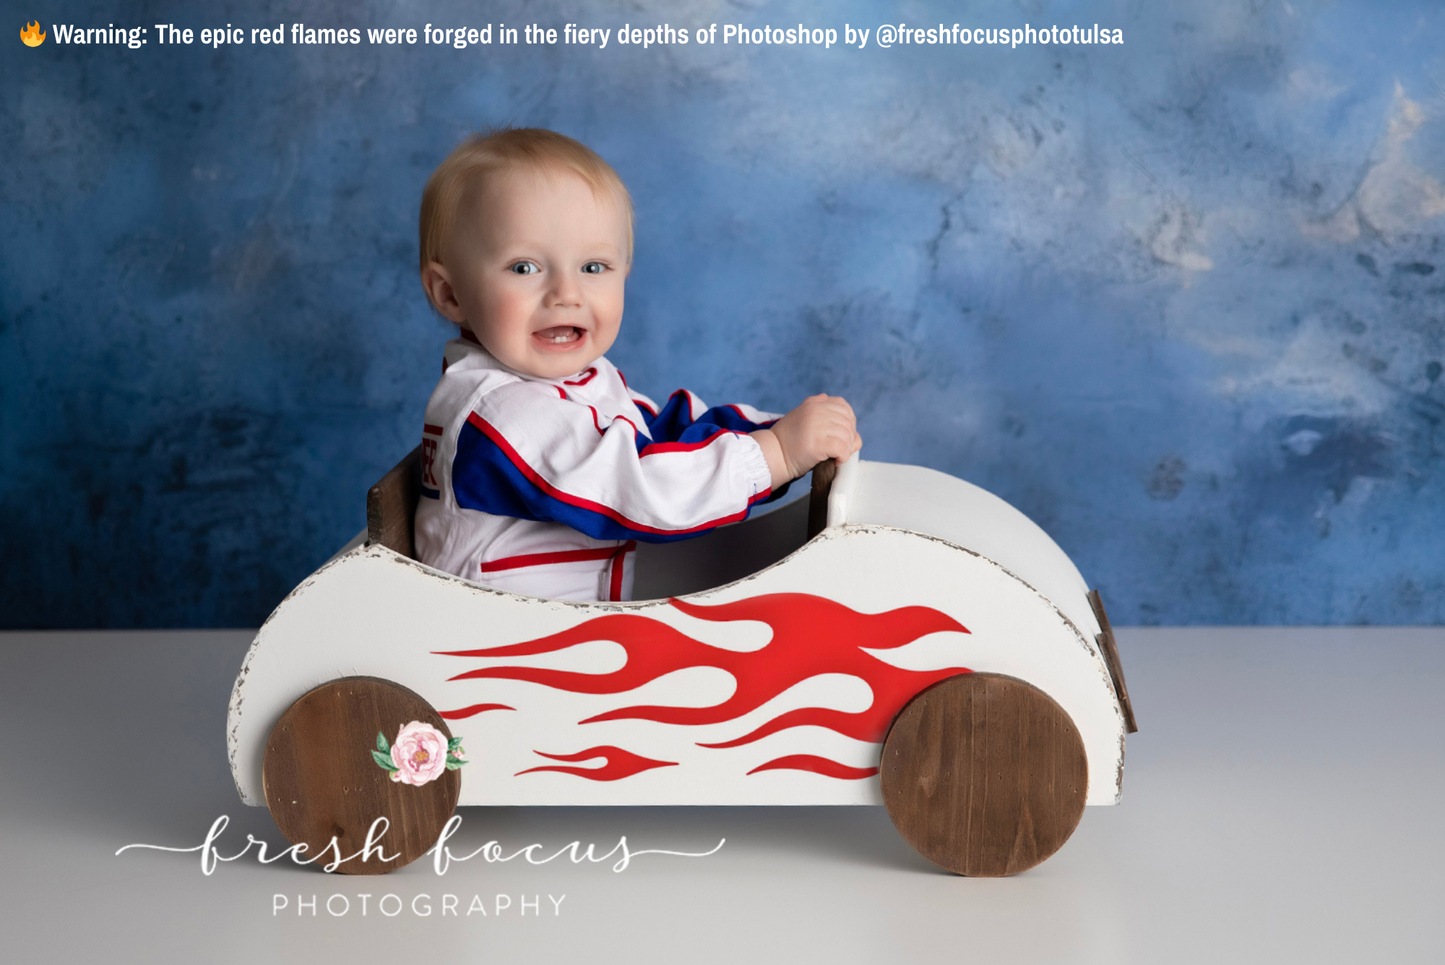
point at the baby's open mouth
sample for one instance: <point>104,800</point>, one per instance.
<point>559,334</point>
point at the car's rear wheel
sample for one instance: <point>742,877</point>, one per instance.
<point>984,774</point>
<point>325,774</point>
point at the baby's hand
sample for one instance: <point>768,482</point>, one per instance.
<point>823,427</point>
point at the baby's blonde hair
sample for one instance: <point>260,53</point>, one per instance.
<point>484,155</point>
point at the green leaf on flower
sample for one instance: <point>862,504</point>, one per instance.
<point>381,743</point>
<point>384,760</point>
<point>454,743</point>
<point>452,764</point>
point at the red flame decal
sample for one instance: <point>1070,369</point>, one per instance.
<point>812,635</point>
<point>471,711</point>
<point>818,765</point>
<point>620,763</point>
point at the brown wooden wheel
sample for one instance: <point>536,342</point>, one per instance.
<point>984,774</point>
<point>321,779</point>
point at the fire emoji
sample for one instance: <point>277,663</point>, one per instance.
<point>32,35</point>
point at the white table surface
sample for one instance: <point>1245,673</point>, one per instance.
<point>1282,803</point>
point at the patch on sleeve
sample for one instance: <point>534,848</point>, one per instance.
<point>431,439</point>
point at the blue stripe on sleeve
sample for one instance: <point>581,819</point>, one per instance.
<point>485,479</point>
<point>729,418</point>
<point>675,419</point>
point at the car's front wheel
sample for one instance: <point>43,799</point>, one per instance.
<point>984,774</point>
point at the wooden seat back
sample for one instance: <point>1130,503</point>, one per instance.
<point>391,506</point>
<point>823,474</point>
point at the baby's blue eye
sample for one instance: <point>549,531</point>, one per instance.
<point>594,268</point>
<point>524,268</point>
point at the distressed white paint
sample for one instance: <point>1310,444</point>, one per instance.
<point>840,494</point>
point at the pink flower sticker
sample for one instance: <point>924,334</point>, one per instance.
<point>419,753</point>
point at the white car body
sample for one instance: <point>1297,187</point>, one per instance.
<point>812,631</point>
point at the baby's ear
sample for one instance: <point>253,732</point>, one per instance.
<point>437,283</point>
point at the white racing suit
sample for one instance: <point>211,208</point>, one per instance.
<point>544,486</point>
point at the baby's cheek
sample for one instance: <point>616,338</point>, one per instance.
<point>613,303</point>
<point>607,310</point>
<point>509,316</point>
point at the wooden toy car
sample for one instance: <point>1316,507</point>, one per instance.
<point>903,638</point>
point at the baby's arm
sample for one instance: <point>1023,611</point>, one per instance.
<point>823,427</point>
<point>528,453</point>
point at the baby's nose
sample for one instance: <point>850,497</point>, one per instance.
<point>564,291</point>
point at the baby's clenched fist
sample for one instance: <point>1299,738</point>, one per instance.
<point>823,427</point>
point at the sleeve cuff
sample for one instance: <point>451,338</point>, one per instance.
<point>755,467</point>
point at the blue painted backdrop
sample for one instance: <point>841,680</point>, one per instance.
<point>1179,300</point>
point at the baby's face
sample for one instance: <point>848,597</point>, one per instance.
<point>538,264</point>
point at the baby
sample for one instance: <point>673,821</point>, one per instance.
<point>540,467</point>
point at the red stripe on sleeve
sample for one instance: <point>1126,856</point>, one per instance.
<point>597,421</point>
<point>535,478</point>
<point>655,448</point>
